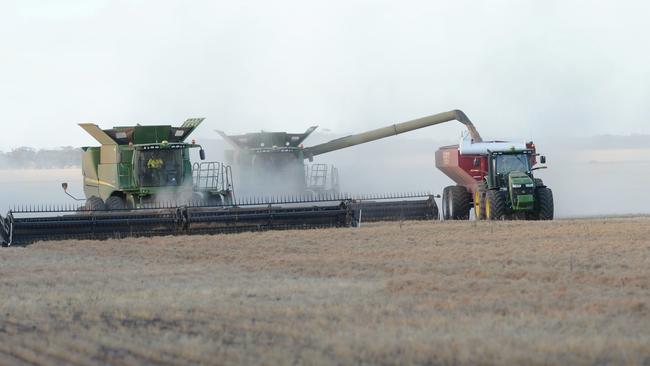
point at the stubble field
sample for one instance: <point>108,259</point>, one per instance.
<point>562,292</point>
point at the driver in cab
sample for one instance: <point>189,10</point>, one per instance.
<point>155,162</point>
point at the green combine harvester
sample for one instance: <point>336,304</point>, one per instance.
<point>140,165</point>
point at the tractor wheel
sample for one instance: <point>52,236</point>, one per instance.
<point>495,205</point>
<point>456,203</point>
<point>94,203</point>
<point>544,203</point>
<point>115,203</point>
<point>479,202</point>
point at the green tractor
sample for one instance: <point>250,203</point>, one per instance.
<point>143,165</point>
<point>509,189</point>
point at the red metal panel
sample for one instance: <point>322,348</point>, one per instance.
<point>460,168</point>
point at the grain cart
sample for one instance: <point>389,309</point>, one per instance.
<point>136,165</point>
<point>495,179</point>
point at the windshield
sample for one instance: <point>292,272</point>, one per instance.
<point>512,162</point>
<point>160,168</point>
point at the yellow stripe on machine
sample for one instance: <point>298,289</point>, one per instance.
<point>99,182</point>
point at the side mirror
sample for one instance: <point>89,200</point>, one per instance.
<point>202,154</point>
<point>542,159</point>
<point>477,162</point>
<point>64,185</point>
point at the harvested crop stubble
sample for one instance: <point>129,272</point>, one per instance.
<point>568,291</point>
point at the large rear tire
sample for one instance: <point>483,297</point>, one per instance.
<point>495,205</point>
<point>456,203</point>
<point>544,203</point>
<point>94,203</point>
<point>115,203</point>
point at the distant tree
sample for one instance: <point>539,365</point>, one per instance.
<point>30,158</point>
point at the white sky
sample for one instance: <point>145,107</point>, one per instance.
<point>519,69</point>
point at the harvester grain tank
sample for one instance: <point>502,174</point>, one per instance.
<point>495,179</point>
<point>275,161</point>
<point>137,165</point>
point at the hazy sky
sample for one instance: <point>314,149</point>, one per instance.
<point>518,68</point>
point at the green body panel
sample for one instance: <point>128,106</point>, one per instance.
<point>521,201</point>
<point>150,134</point>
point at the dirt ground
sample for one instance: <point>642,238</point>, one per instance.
<point>535,293</point>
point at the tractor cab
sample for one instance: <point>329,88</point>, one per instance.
<point>501,165</point>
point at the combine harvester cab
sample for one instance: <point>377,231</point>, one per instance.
<point>495,179</point>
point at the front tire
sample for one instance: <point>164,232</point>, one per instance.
<point>456,203</point>
<point>115,203</point>
<point>94,203</point>
<point>544,203</point>
<point>495,205</point>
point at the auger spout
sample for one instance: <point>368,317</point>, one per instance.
<point>395,129</point>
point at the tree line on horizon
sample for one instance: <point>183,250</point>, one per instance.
<point>30,158</point>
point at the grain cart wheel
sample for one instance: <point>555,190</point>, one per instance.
<point>115,203</point>
<point>94,203</point>
<point>495,205</point>
<point>456,203</point>
<point>544,203</point>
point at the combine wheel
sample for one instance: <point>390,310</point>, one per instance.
<point>95,203</point>
<point>544,203</point>
<point>456,203</point>
<point>495,205</point>
<point>215,200</point>
<point>115,203</point>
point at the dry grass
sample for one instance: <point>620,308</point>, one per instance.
<point>563,292</point>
